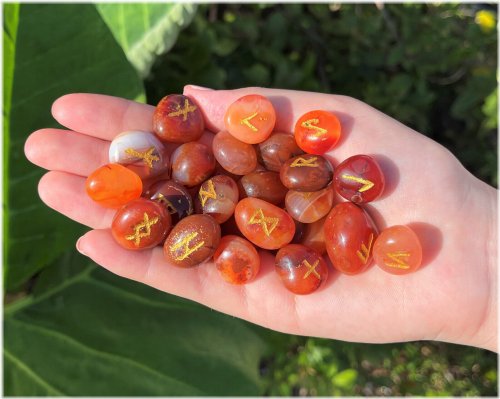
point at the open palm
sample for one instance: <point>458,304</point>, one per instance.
<point>452,297</point>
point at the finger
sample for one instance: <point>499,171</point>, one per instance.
<point>66,194</point>
<point>68,151</point>
<point>101,116</point>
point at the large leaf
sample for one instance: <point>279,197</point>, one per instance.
<point>59,48</point>
<point>96,334</point>
<point>144,30</point>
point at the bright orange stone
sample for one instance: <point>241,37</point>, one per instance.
<point>318,131</point>
<point>237,260</point>
<point>397,250</point>
<point>113,185</point>
<point>250,119</point>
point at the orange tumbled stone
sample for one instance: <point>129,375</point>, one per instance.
<point>250,119</point>
<point>397,250</point>
<point>316,132</point>
<point>237,260</point>
<point>264,224</point>
<point>113,185</point>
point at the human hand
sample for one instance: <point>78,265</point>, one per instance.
<point>451,298</point>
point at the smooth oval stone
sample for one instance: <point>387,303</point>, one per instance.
<point>397,250</point>
<point>218,197</point>
<point>192,241</point>
<point>140,224</point>
<point>349,237</point>
<point>237,260</point>
<point>173,196</point>
<point>314,236</point>
<point>141,152</point>
<point>306,173</point>
<point>113,185</point>
<point>250,119</point>
<point>359,179</point>
<point>301,269</point>
<point>317,131</point>
<point>276,150</point>
<point>234,155</point>
<point>309,207</point>
<point>264,224</point>
<point>192,163</point>
<point>177,119</point>
<point>265,185</point>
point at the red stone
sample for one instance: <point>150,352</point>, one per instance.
<point>318,131</point>
<point>265,185</point>
<point>218,197</point>
<point>237,260</point>
<point>309,207</point>
<point>306,173</point>
<point>173,196</point>
<point>276,150</point>
<point>192,163</point>
<point>234,155</point>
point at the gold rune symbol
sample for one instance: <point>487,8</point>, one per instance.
<point>246,121</point>
<point>398,262</point>
<point>364,254</point>
<point>188,108</point>
<point>311,162</point>
<point>367,184</point>
<point>142,229</point>
<point>312,269</point>
<point>161,198</point>
<point>184,244</point>
<point>205,195</point>
<point>311,124</point>
<point>263,221</point>
<point>146,156</point>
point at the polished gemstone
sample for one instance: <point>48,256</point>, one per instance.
<point>318,131</point>
<point>237,260</point>
<point>192,163</point>
<point>314,236</point>
<point>306,173</point>
<point>218,197</point>
<point>276,150</point>
<point>173,196</point>
<point>309,207</point>
<point>265,185</point>
<point>234,155</point>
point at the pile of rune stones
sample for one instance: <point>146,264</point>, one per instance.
<point>254,187</point>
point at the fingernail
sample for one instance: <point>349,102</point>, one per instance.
<point>79,246</point>
<point>198,87</point>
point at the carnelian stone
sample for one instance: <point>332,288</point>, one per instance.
<point>349,237</point>
<point>178,119</point>
<point>192,241</point>
<point>397,250</point>
<point>265,185</point>
<point>237,260</point>
<point>113,185</point>
<point>306,173</point>
<point>173,196</point>
<point>359,179</point>
<point>264,224</point>
<point>314,236</point>
<point>250,119</point>
<point>318,131</point>
<point>141,224</point>
<point>218,197</point>
<point>192,163</point>
<point>302,269</point>
<point>234,155</point>
<point>309,207</point>
<point>276,150</point>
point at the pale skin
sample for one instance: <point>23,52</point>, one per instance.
<point>452,298</point>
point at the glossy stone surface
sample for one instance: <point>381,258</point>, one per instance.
<point>250,119</point>
<point>237,260</point>
<point>359,179</point>
<point>177,119</point>
<point>397,250</point>
<point>218,197</point>
<point>306,173</point>
<point>309,207</point>
<point>141,224</point>
<point>301,269</point>
<point>192,241</point>
<point>234,155</point>
<point>314,236</point>
<point>265,185</point>
<point>113,185</point>
<point>192,163</point>
<point>173,196</point>
<point>349,237</point>
<point>317,131</point>
<point>141,152</point>
<point>264,224</point>
<point>276,150</point>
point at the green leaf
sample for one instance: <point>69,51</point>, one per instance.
<point>95,334</point>
<point>59,48</point>
<point>490,110</point>
<point>346,378</point>
<point>144,30</point>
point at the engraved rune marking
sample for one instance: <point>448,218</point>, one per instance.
<point>367,184</point>
<point>188,108</point>
<point>171,209</point>
<point>311,124</point>
<point>146,156</point>
<point>263,221</point>
<point>246,122</point>
<point>312,269</point>
<point>364,253</point>
<point>184,244</point>
<point>398,262</point>
<point>142,229</point>
<point>205,195</point>
<point>299,162</point>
